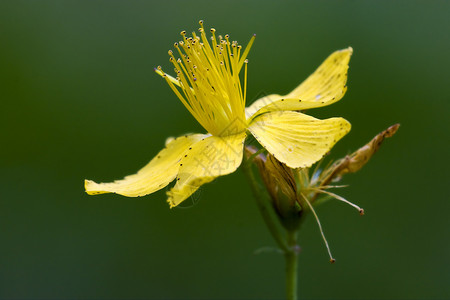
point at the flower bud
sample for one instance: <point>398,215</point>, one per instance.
<point>280,183</point>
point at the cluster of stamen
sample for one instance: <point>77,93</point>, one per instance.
<point>207,79</point>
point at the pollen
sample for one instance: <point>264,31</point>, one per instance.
<point>207,79</point>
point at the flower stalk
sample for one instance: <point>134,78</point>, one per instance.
<point>291,259</point>
<point>287,241</point>
<point>264,206</point>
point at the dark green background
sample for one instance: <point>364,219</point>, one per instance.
<point>79,99</point>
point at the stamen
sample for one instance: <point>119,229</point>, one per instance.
<point>207,75</point>
<point>169,80</point>
<point>245,80</point>
<point>334,186</point>
<point>246,51</point>
<point>337,197</point>
<point>332,260</point>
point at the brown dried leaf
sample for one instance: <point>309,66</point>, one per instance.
<point>355,161</point>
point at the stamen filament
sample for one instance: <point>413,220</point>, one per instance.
<point>337,197</point>
<point>246,51</point>
<point>245,80</point>
<point>332,260</point>
<point>333,186</point>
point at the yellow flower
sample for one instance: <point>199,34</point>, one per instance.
<point>209,85</point>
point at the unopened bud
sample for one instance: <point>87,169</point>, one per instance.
<point>280,183</point>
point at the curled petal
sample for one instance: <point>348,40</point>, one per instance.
<point>296,139</point>
<point>157,174</point>
<point>324,87</point>
<point>204,161</point>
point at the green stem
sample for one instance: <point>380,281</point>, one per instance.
<point>265,208</point>
<point>287,243</point>
<point>291,258</point>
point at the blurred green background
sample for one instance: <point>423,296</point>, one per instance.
<point>79,99</point>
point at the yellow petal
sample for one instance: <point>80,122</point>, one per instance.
<point>157,174</point>
<point>296,139</point>
<point>324,87</point>
<point>206,160</point>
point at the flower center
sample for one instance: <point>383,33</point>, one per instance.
<point>207,80</point>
